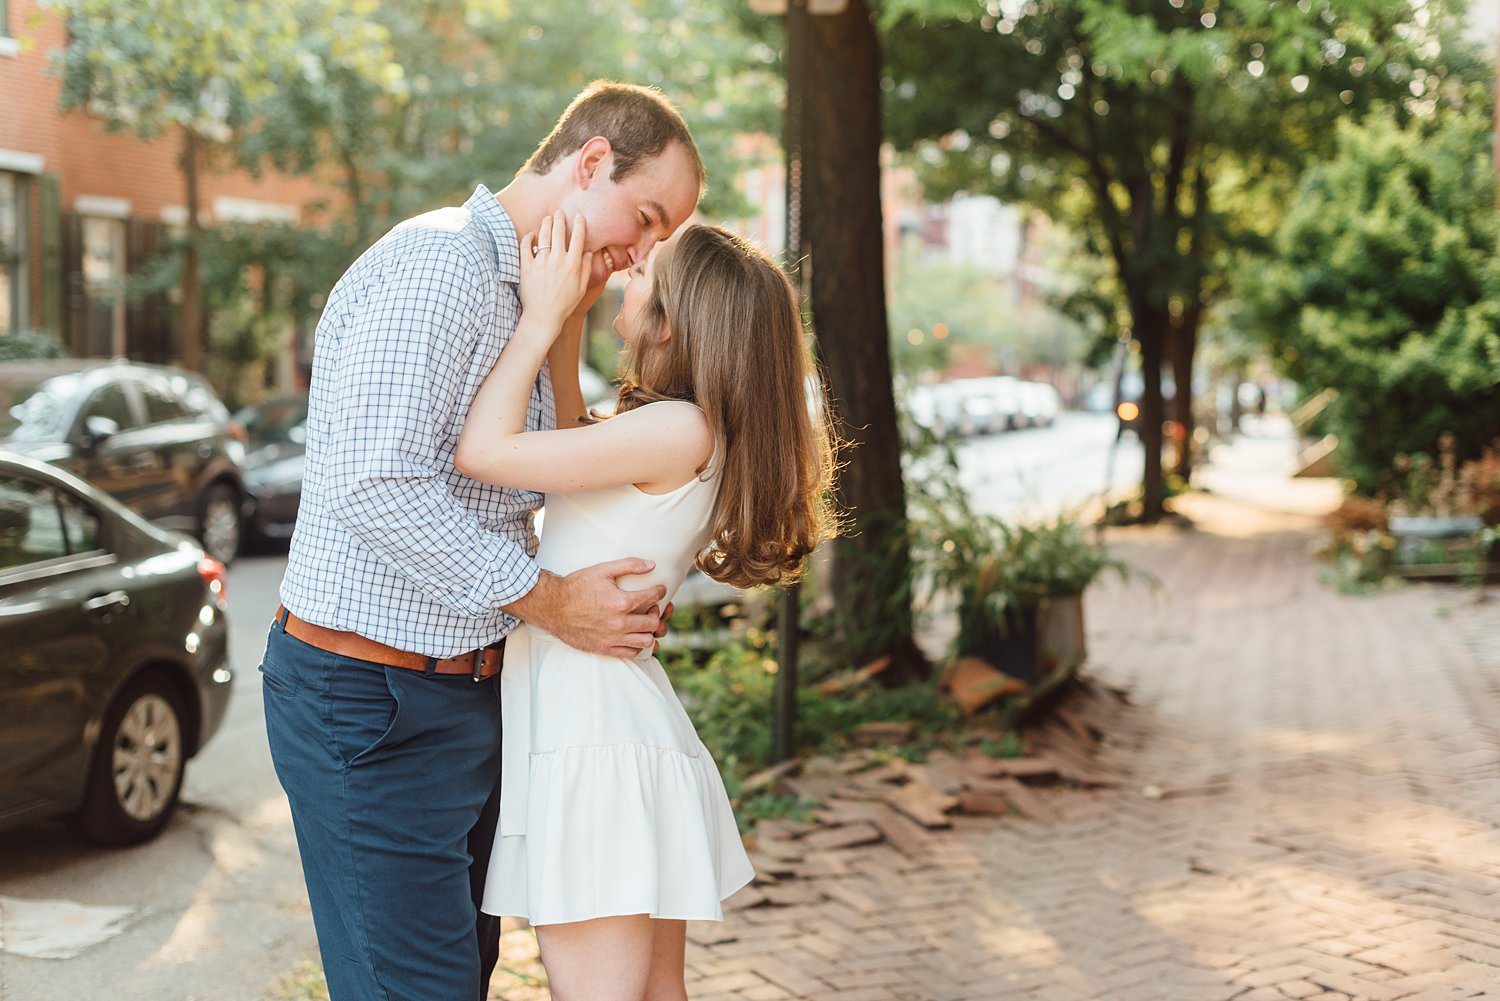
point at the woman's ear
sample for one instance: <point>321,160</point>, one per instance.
<point>665,334</point>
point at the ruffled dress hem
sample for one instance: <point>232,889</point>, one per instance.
<point>654,804</point>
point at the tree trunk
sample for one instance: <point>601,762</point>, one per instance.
<point>1184,347</point>
<point>190,318</point>
<point>354,186</point>
<point>1185,331</point>
<point>841,139</point>
<point>1150,324</point>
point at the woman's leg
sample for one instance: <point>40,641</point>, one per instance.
<point>606,959</point>
<point>665,982</point>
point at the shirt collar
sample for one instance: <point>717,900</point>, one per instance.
<point>486,209</point>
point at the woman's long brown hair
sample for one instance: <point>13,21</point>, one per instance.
<point>738,351</point>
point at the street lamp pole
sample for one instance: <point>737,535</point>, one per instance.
<point>789,624</point>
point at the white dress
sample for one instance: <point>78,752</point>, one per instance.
<point>609,802</point>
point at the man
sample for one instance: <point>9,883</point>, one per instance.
<point>380,672</point>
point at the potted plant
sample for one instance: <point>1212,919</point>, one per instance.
<point>1020,589</point>
<point>1438,517</point>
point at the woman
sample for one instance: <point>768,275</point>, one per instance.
<point>615,828</point>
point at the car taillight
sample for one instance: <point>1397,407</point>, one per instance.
<point>237,432</point>
<point>216,579</point>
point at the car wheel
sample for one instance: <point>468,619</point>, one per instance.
<point>220,527</point>
<point>138,765</point>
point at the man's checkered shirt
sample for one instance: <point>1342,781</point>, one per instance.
<point>391,542</point>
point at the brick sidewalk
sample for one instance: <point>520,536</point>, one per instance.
<point>1311,812</point>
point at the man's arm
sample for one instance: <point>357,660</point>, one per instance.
<point>401,366</point>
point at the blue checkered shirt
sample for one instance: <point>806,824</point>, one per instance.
<point>391,542</point>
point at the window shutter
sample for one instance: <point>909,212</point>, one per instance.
<point>52,256</point>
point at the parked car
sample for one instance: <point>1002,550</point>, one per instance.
<point>116,667</point>
<point>158,439</point>
<point>993,403</point>
<point>980,415</point>
<point>1040,403</point>
<point>275,450</point>
<point>940,408</point>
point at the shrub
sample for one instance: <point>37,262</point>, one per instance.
<point>1385,286</point>
<point>26,345</point>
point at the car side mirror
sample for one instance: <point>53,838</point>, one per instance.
<point>96,429</point>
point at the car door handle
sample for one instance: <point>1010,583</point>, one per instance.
<point>104,602</point>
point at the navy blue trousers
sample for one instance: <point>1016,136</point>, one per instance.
<point>394,782</point>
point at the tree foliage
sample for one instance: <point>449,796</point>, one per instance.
<point>977,316</point>
<point>1385,286</point>
<point>204,71</point>
<point>398,106</point>
<point>1141,124</point>
<point>477,83</point>
<point>199,69</point>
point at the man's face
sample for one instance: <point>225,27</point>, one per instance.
<point>627,218</point>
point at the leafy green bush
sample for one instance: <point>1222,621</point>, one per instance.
<point>729,699</point>
<point>1385,286</point>
<point>25,345</point>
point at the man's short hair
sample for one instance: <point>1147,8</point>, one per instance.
<point>639,122</point>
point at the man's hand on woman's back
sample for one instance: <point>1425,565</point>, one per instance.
<point>589,610</point>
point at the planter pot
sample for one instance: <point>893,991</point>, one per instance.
<point>1439,548</point>
<point>1060,631</point>
<point>1011,644</point>
<point>1426,540</point>
<point>1433,527</point>
<point>1034,643</point>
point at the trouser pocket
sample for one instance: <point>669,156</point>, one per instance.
<point>362,709</point>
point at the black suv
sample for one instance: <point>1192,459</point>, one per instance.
<point>156,438</point>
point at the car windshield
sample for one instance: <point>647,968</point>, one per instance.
<point>31,411</point>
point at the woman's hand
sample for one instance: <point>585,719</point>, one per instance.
<point>554,270</point>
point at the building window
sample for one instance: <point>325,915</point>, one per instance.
<point>104,282</point>
<point>9,44</point>
<point>15,252</point>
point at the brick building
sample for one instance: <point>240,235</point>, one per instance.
<point>81,208</point>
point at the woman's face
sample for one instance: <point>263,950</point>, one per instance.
<point>630,322</point>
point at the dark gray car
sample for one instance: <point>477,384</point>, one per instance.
<point>156,438</point>
<point>276,441</point>
<point>115,669</point>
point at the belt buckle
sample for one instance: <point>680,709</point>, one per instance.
<point>498,648</point>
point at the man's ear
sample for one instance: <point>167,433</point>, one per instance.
<point>593,156</point>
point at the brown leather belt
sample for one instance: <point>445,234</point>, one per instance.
<point>477,664</point>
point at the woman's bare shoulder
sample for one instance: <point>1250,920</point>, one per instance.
<point>675,424</point>
<point>668,413</point>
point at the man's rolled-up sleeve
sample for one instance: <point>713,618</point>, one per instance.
<point>401,365</point>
